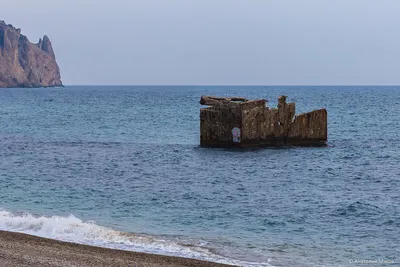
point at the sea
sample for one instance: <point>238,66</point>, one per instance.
<point>121,167</point>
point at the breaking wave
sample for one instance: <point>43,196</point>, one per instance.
<point>73,229</point>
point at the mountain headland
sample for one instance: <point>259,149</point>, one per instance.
<point>26,64</point>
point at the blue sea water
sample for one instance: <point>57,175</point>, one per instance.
<point>121,167</point>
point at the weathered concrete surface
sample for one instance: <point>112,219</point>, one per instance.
<point>259,125</point>
<point>24,64</point>
<point>216,124</point>
<point>309,128</point>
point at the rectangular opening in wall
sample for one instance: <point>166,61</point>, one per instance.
<point>1,38</point>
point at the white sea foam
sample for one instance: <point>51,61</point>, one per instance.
<point>73,229</point>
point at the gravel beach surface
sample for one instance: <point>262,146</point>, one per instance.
<point>20,250</point>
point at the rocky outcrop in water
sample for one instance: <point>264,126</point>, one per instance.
<point>25,64</point>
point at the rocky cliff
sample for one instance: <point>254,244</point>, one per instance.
<point>24,64</point>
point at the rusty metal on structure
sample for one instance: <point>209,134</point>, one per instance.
<point>238,122</point>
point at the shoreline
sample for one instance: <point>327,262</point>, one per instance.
<point>23,250</point>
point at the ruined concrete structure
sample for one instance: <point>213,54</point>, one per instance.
<point>238,122</point>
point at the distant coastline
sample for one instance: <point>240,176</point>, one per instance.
<point>24,64</point>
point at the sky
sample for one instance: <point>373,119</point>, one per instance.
<point>216,42</point>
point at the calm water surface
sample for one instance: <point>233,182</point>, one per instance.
<point>86,163</point>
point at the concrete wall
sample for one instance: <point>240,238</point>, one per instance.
<point>309,128</point>
<point>217,122</point>
<point>260,125</point>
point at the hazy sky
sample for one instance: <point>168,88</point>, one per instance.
<point>254,42</point>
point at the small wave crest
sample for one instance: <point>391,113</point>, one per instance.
<point>68,228</point>
<point>73,229</point>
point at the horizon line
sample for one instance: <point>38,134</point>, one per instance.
<point>258,85</point>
